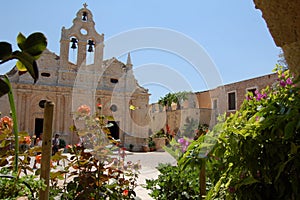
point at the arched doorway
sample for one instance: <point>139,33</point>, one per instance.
<point>38,126</point>
<point>114,130</point>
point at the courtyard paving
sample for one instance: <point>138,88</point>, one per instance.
<point>149,161</point>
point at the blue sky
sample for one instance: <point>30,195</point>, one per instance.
<point>232,33</point>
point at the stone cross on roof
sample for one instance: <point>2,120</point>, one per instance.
<point>85,5</point>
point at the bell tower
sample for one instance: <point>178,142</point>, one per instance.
<point>81,41</point>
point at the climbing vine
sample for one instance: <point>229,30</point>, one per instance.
<point>256,152</point>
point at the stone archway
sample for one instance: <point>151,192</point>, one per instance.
<point>283,20</point>
<point>36,112</point>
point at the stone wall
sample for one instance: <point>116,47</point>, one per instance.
<point>177,119</point>
<point>240,89</point>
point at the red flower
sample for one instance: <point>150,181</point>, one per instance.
<point>78,145</point>
<point>123,148</point>
<point>99,105</point>
<point>168,128</point>
<point>38,158</point>
<point>125,193</point>
<point>51,164</point>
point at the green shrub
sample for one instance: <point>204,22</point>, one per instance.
<point>12,187</point>
<point>174,183</point>
<point>254,153</point>
<point>257,152</point>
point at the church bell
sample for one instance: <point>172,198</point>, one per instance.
<point>84,16</point>
<point>74,41</point>
<point>90,43</point>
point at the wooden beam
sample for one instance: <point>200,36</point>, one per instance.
<point>46,148</point>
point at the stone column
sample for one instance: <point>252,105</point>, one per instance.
<point>66,114</point>
<point>64,52</point>
<point>81,56</point>
<point>61,114</point>
<point>57,113</point>
<point>98,56</point>
<point>28,114</point>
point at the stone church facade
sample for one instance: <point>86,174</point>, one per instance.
<point>78,76</point>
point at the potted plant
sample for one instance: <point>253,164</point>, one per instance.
<point>145,148</point>
<point>151,144</point>
<point>159,139</point>
<point>131,147</point>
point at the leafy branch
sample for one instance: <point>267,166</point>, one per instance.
<point>31,49</point>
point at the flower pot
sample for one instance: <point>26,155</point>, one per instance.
<point>145,148</point>
<point>152,148</point>
<point>159,143</point>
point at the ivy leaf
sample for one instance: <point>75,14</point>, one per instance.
<point>35,44</point>
<point>5,50</point>
<point>4,88</point>
<point>289,129</point>
<point>21,40</point>
<point>21,67</point>
<point>281,168</point>
<point>294,148</point>
<point>247,181</point>
<point>29,62</point>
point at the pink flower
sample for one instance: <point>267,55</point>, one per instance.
<point>289,81</point>
<point>248,98</point>
<point>181,140</point>
<point>84,110</point>
<point>187,143</point>
<point>125,193</point>
<point>282,83</point>
<point>184,144</point>
<point>258,97</point>
<point>27,139</point>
